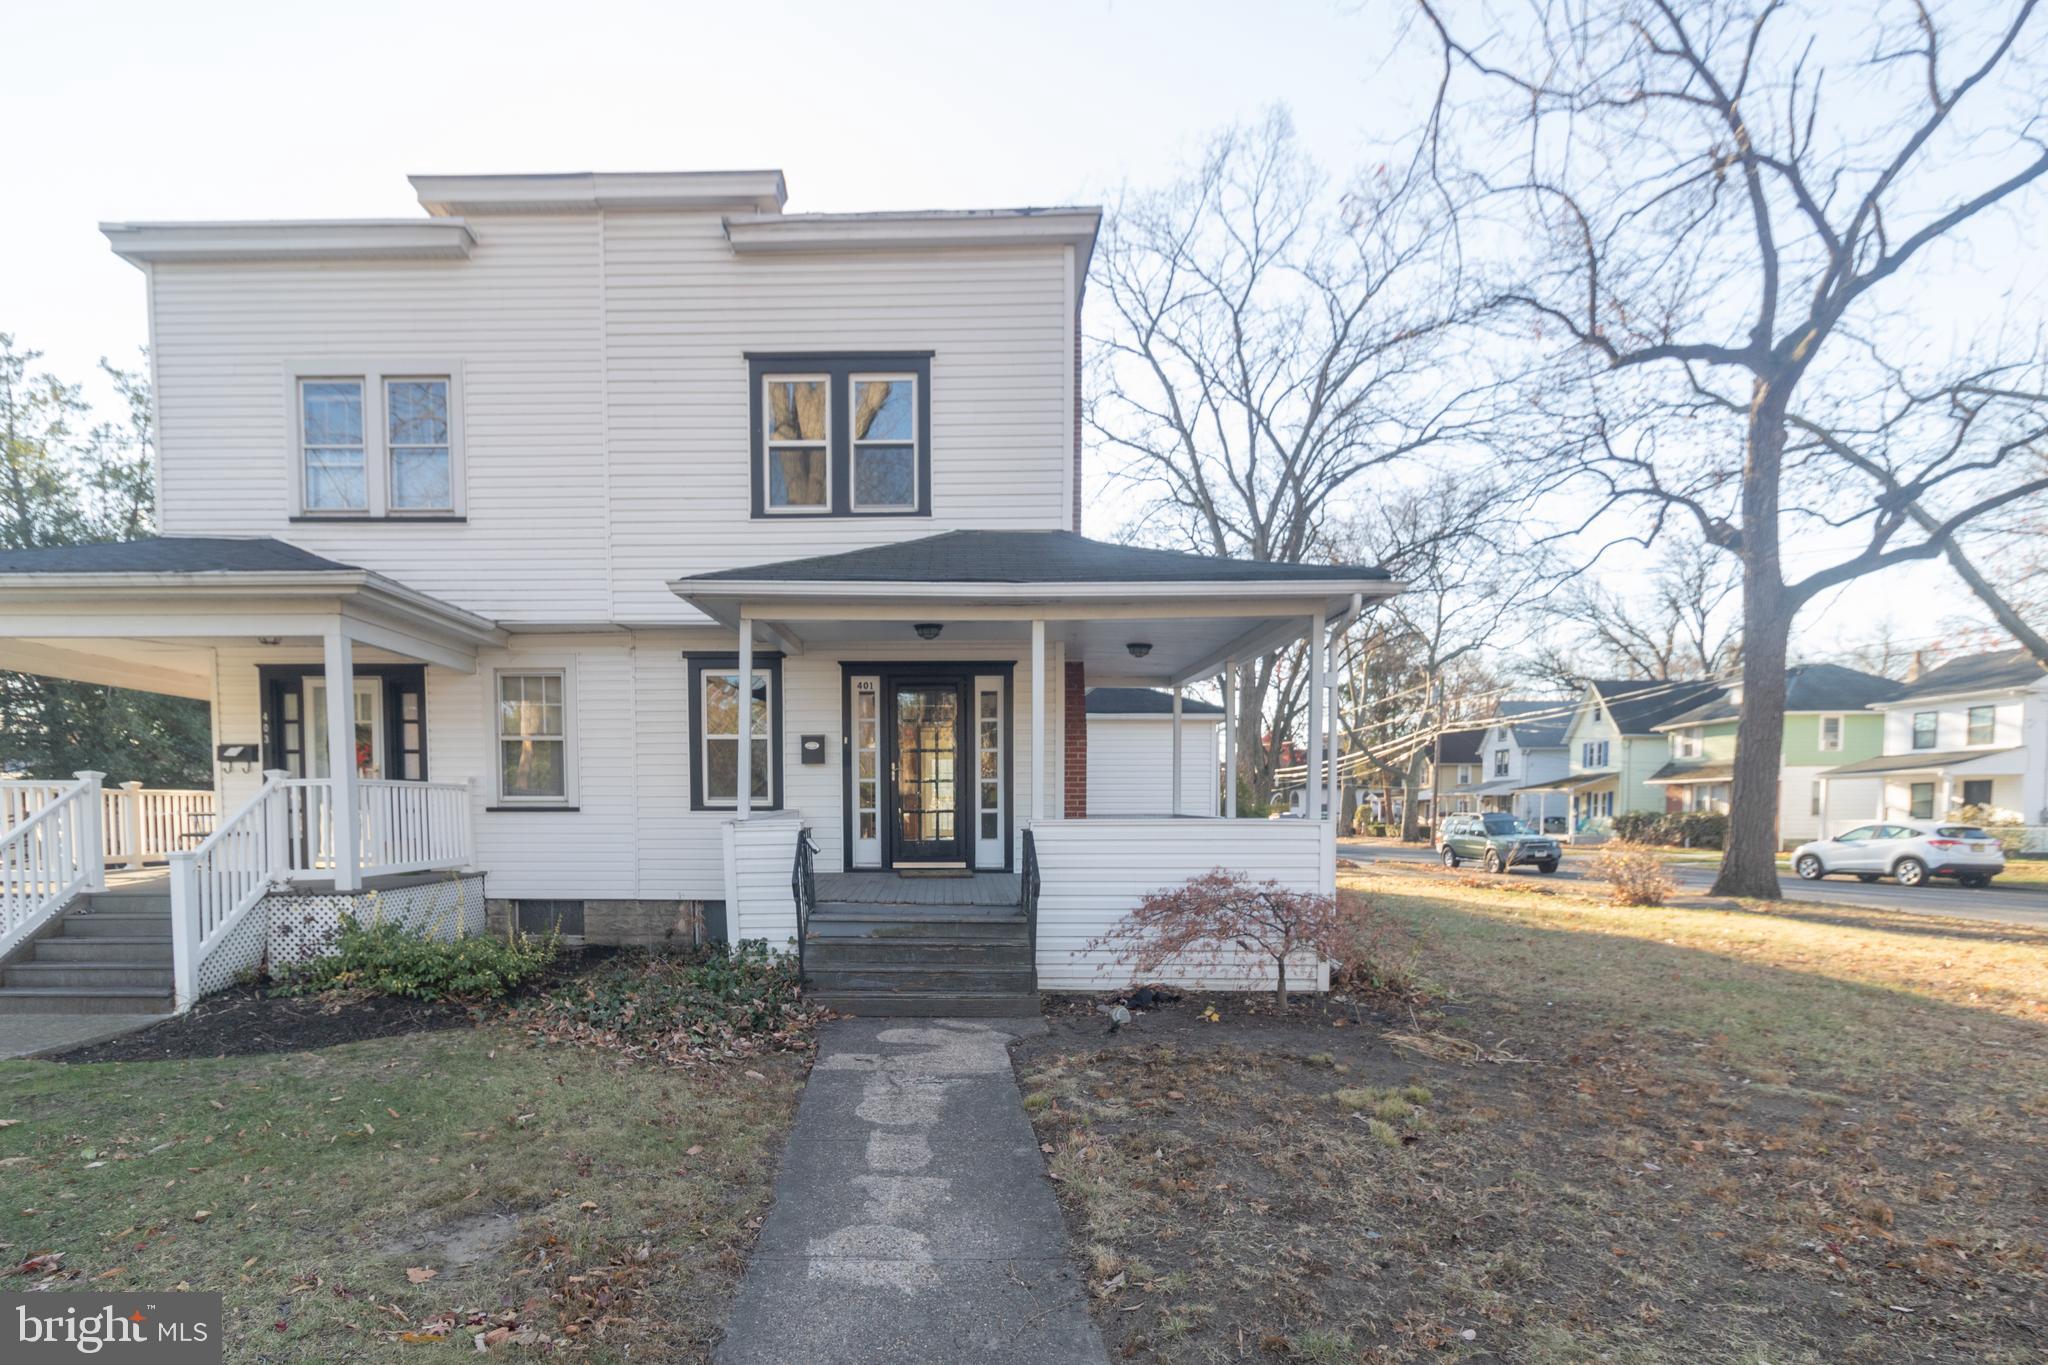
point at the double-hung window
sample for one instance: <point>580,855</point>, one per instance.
<point>1925,725</point>
<point>1983,724</point>
<point>720,721</point>
<point>377,441</point>
<point>1688,743</point>
<point>1830,734</point>
<point>841,435</point>
<point>1500,762</point>
<point>533,737</point>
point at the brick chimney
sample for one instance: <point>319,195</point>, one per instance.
<point>1913,669</point>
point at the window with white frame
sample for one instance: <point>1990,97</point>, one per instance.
<point>1983,724</point>
<point>884,442</point>
<point>1500,762</point>
<point>719,722</point>
<point>797,443</point>
<point>416,431</point>
<point>376,442</point>
<point>1830,735</point>
<point>533,737</point>
<point>1686,743</point>
<point>335,471</point>
<point>1926,725</point>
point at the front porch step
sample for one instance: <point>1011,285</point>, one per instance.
<point>924,923</point>
<point>108,948</point>
<point>932,1004</point>
<point>85,1000</point>
<point>92,975</point>
<point>885,950</point>
<point>114,924</point>
<point>919,976</point>
<point>127,902</point>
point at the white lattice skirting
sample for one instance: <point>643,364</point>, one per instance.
<point>289,927</point>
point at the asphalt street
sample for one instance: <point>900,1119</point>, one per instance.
<point>2008,903</point>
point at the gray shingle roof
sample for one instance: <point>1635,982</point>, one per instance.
<point>1546,730</point>
<point>1639,707</point>
<point>169,554</point>
<point>1976,673</point>
<point>1459,746</point>
<point>1030,557</point>
<point>1144,701</point>
<point>1693,772</point>
<point>1915,762</point>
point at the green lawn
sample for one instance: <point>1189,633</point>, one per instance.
<point>566,1194</point>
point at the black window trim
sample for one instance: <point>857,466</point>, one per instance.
<point>765,660</point>
<point>839,367</point>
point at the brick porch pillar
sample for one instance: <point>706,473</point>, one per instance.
<point>1076,710</point>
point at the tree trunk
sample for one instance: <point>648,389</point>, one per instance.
<point>1280,994</point>
<point>1749,863</point>
<point>1411,805</point>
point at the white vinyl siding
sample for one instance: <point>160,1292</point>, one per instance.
<point>1130,765</point>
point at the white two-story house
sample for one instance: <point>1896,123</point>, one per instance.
<point>661,560</point>
<point>1970,733</point>
<point>1522,757</point>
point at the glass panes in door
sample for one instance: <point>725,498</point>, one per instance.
<point>867,772</point>
<point>369,726</point>
<point>926,778</point>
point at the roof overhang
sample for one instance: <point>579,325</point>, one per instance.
<point>2009,762</point>
<point>1571,783</point>
<point>769,233</point>
<point>1692,777</point>
<point>358,239</point>
<point>760,191</point>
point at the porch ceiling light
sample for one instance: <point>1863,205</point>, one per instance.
<point>269,639</point>
<point>1139,648</point>
<point>928,630</point>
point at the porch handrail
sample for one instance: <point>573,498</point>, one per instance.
<point>148,824</point>
<point>22,797</point>
<point>49,857</point>
<point>216,884</point>
<point>413,826</point>
<point>1027,896</point>
<point>803,889</point>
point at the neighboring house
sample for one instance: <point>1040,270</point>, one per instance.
<point>1131,758</point>
<point>1522,755</point>
<point>1826,724</point>
<point>1613,748</point>
<point>1973,732</point>
<point>1456,773</point>
<point>635,539</point>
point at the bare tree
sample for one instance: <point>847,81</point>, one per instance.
<point>1726,204</point>
<point>1679,623</point>
<point>1258,343</point>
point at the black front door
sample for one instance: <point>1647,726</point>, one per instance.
<point>924,727</point>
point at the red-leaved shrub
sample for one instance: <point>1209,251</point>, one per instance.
<point>1203,920</point>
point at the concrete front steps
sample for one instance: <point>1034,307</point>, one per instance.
<point>920,961</point>
<point>108,954</point>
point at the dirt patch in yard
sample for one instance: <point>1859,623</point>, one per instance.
<point>1518,1174</point>
<point>247,1021</point>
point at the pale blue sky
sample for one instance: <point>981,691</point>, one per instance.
<point>245,110</point>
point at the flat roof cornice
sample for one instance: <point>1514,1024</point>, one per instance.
<point>356,239</point>
<point>589,191</point>
<point>1066,226</point>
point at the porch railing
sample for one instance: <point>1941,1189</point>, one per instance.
<point>1027,896</point>
<point>217,885</point>
<point>148,824</point>
<point>49,855</point>
<point>803,889</point>
<point>413,826</point>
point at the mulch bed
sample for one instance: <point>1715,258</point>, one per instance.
<point>246,1020</point>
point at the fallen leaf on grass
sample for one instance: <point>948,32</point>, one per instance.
<point>9,1123</point>
<point>420,1338</point>
<point>202,1215</point>
<point>420,1274</point>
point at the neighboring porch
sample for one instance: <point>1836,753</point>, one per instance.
<point>962,665</point>
<point>256,629</point>
<point>1591,801</point>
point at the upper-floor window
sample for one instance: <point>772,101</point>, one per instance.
<point>1924,728</point>
<point>1593,754</point>
<point>1500,762</point>
<point>1830,733</point>
<point>377,444</point>
<point>1983,724</point>
<point>1686,743</point>
<point>841,435</point>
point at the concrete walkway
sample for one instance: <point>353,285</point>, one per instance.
<point>25,1035</point>
<point>913,1221</point>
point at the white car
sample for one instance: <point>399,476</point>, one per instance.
<point>1910,850</point>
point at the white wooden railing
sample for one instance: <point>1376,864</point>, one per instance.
<point>285,834</point>
<point>50,855</point>
<point>148,824</point>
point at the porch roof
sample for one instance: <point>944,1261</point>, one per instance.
<point>1997,762</point>
<point>1565,784</point>
<point>170,555</point>
<point>1683,774</point>
<point>1131,616</point>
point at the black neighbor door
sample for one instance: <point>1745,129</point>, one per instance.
<point>925,725</point>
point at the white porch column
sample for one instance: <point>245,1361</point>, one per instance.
<point>1335,804</point>
<point>1230,738</point>
<point>341,758</point>
<point>1176,748</point>
<point>91,833</point>
<point>1942,796</point>
<point>1826,790</point>
<point>744,805</point>
<point>1038,720</point>
<point>131,823</point>
<point>1311,797</point>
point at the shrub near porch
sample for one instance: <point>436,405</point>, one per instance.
<point>603,1205</point>
<point>1618,1133</point>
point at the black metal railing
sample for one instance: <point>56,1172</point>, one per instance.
<point>1027,900</point>
<point>803,888</point>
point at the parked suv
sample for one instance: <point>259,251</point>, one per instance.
<point>1910,850</point>
<point>1497,841</point>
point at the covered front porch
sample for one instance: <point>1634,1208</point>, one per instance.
<point>953,734</point>
<point>259,631</point>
